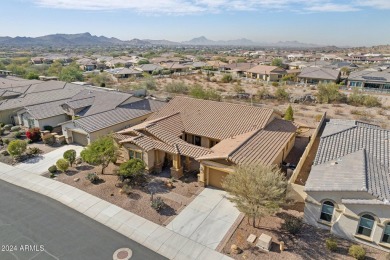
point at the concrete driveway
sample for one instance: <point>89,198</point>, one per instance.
<point>206,219</point>
<point>40,164</point>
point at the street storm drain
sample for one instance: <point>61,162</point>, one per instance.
<point>122,254</point>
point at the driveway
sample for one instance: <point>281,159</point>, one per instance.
<point>206,219</point>
<point>40,164</point>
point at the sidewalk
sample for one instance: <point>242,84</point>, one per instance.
<point>40,164</point>
<point>159,239</point>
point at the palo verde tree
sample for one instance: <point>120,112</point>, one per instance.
<point>100,152</point>
<point>257,190</point>
<point>70,156</point>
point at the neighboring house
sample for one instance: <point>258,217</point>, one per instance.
<point>266,73</point>
<point>149,68</point>
<point>46,114</point>
<point>124,73</point>
<point>315,75</point>
<point>87,129</point>
<point>298,65</point>
<point>370,80</point>
<point>348,189</point>
<point>192,134</point>
<point>176,67</point>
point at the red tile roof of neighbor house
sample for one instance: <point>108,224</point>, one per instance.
<point>248,134</point>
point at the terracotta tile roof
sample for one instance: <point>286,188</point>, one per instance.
<point>217,120</point>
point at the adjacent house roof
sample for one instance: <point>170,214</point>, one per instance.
<point>264,69</point>
<point>370,76</point>
<point>46,110</point>
<point>319,73</point>
<point>354,158</point>
<point>149,67</point>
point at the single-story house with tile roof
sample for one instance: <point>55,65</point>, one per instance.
<point>124,73</point>
<point>96,113</point>
<point>367,79</point>
<point>266,73</point>
<point>208,136</point>
<point>348,189</point>
<point>149,68</point>
<point>317,75</point>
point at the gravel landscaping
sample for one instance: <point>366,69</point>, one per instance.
<point>309,243</point>
<point>139,200</point>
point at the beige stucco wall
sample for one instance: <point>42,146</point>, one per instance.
<point>52,121</point>
<point>5,116</point>
<point>285,151</point>
<point>147,157</point>
<point>345,219</point>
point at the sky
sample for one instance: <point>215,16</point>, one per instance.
<point>325,22</point>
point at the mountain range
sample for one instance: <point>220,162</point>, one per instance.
<point>86,39</point>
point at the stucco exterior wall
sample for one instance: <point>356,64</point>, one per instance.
<point>346,217</point>
<point>285,151</point>
<point>5,116</point>
<point>52,121</point>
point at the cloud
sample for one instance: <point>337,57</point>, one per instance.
<point>182,7</point>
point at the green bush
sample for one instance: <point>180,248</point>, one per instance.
<point>52,169</point>
<point>17,148</point>
<point>289,115</point>
<point>7,141</point>
<point>275,84</point>
<point>2,124</point>
<point>331,244</point>
<point>358,99</point>
<point>62,165</point>
<point>133,170</point>
<point>177,87</point>
<point>197,91</point>
<point>93,178</point>
<point>281,94</point>
<point>292,224</point>
<point>329,93</point>
<point>48,128</point>
<point>17,134</point>
<point>33,151</point>
<point>357,252</point>
<point>158,204</point>
<point>70,156</point>
<point>227,78</point>
<point>7,127</point>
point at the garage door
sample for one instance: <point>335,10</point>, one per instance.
<point>216,178</point>
<point>80,138</point>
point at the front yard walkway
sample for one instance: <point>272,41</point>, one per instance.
<point>206,219</point>
<point>40,163</point>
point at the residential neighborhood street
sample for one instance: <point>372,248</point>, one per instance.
<point>58,232</point>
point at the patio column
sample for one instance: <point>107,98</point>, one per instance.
<point>157,162</point>
<point>187,163</point>
<point>177,169</point>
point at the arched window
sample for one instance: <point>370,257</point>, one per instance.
<point>366,224</point>
<point>327,211</point>
<point>386,234</point>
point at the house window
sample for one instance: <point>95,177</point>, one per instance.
<point>135,154</point>
<point>366,225</point>
<point>213,142</point>
<point>197,140</point>
<point>327,211</point>
<point>386,234</point>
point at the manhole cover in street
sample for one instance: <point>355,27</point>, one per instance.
<point>122,254</point>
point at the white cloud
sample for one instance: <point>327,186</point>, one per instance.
<point>178,7</point>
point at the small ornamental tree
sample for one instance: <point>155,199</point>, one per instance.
<point>131,169</point>
<point>62,165</point>
<point>70,156</point>
<point>257,190</point>
<point>101,152</point>
<point>289,115</point>
<point>16,148</point>
<point>33,134</point>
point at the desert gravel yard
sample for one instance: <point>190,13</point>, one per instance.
<point>139,200</point>
<point>309,243</point>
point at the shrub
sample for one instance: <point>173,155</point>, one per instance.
<point>331,244</point>
<point>48,140</point>
<point>131,169</point>
<point>329,93</point>
<point>15,128</point>
<point>318,117</point>
<point>62,165</point>
<point>33,151</point>
<point>275,84</point>
<point>6,141</point>
<point>289,115</point>
<point>197,91</point>
<point>17,134</point>
<point>93,178</point>
<point>48,128</point>
<point>357,252</point>
<point>52,169</point>
<point>34,134</point>
<point>227,78</point>
<point>2,124</point>
<point>358,99</point>
<point>158,204</point>
<point>70,156</point>
<point>17,148</point>
<point>281,94</point>
<point>7,127</point>
<point>1,130</point>
<point>126,189</point>
<point>292,224</point>
<point>177,87</point>
<point>4,152</point>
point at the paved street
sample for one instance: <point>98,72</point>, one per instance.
<point>206,219</point>
<point>28,218</point>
